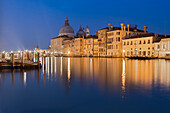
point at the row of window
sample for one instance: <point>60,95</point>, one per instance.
<point>112,39</point>
<point>112,47</point>
<point>141,48</point>
<point>163,46</point>
<point>111,34</point>
<point>135,43</point>
<point>140,53</point>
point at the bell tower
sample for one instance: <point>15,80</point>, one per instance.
<point>87,31</point>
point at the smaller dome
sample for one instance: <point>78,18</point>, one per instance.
<point>81,32</point>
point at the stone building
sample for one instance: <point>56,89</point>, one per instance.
<point>91,45</point>
<point>65,33</point>
<point>114,38</point>
<point>142,45</point>
<point>102,41</point>
<point>162,48</point>
<point>67,44</point>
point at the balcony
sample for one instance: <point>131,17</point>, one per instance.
<point>109,42</point>
<point>99,40</point>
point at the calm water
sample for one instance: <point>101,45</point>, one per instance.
<point>88,85</point>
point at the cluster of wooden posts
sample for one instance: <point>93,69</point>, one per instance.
<point>26,60</point>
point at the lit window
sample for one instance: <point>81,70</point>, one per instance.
<point>144,42</point>
<point>164,46</point>
<point>148,52</point>
<point>116,46</point>
<point>117,33</point>
<point>148,41</point>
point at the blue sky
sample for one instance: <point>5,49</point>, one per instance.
<point>26,23</point>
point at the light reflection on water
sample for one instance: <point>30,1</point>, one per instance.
<point>90,80</point>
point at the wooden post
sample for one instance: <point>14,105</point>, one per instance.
<point>25,55</point>
<point>44,63</point>
<point>12,60</point>
<point>3,55</point>
<point>22,61</point>
<point>38,60</point>
<point>33,56</point>
<point>30,56</point>
<point>19,55</point>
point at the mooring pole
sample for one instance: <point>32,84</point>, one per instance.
<point>38,60</point>
<point>22,61</point>
<point>12,60</point>
<point>44,62</point>
<point>30,56</point>
<point>3,55</point>
<point>33,56</point>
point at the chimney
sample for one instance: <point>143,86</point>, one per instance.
<point>109,26</point>
<point>128,27</point>
<point>96,33</point>
<point>156,35</point>
<point>136,26</point>
<point>165,35</point>
<point>144,29</point>
<point>122,26</point>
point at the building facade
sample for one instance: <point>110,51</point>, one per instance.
<point>123,41</point>
<point>146,45</point>
<point>91,45</point>
<point>114,38</point>
<point>102,41</point>
<point>162,48</point>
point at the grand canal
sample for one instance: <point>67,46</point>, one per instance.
<point>87,85</point>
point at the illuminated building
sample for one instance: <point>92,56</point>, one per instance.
<point>123,41</point>
<point>65,33</point>
<point>114,38</point>
<point>102,38</point>
<point>91,45</point>
<point>162,48</point>
<point>143,45</point>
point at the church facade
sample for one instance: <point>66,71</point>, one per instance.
<point>69,44</point>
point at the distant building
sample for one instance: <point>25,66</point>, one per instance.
<point>91,45</point>
<point>67,44</point>
<point>114,38</point>
<point>123,41</point>
<point>102,41</point>
<point>145,45</point>
<point>162,48</point>
<point>65,33</point>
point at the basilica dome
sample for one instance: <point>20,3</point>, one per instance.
<point>66,29</point>
<point>81,32</point>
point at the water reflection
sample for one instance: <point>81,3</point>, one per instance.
<point>123,76</point>
<point>109,74</point>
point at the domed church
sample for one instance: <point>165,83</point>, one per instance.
<point>66,30</point>
<point>80,32</point>
<point>66,33</point>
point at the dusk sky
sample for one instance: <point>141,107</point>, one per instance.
<point>26,23</point>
